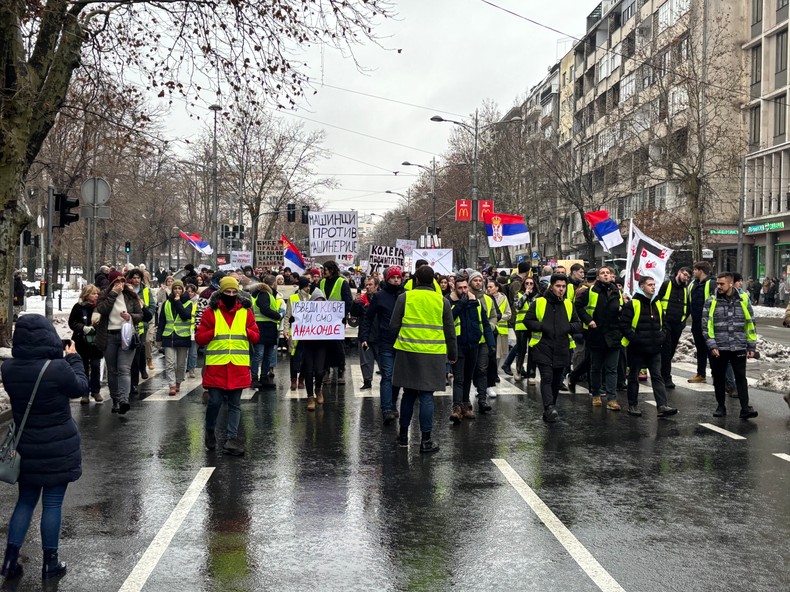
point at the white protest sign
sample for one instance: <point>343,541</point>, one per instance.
<point>645,257</point>
<point>333,234</point>
<point>441,260</point>
<point>408,246</point>
<point>241,258</point>
<point>382,257</point>
<point>318,320</point>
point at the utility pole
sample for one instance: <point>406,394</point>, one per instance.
<point>214,195</point>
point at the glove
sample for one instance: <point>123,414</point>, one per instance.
<point>86,329</point>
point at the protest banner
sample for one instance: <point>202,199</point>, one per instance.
<point>268,253</point>
<point>440,259</point>
<point>333,234</point>
<point>408,246</point>
<point>241,258</point>
<point>382,257</point>
<point>645,257</point>
<point>318,320</point>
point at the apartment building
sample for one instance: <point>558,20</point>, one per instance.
<point>767,164</point>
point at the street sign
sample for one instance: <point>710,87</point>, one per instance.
<point>95,190</point>
<point>102,212</point>
<point>484,206</point>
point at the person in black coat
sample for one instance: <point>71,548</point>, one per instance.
<point>377,322</point>
<point>80,321</point>
<point>552,321</point>
<point>50,443</point>
<point>644,337</point>
<point>267,317</point>
<point>19,294</point>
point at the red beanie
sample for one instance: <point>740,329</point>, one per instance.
<point>115,275</point>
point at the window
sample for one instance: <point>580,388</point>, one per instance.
<point>781,4</point>
<point>781,52</point>
<point>780,116</point>
<point>757,64</point>
<point>627,87</point>
<point>617,58</point>
<point>664,16</point>
<point>678,100</point>
<point>680,7</point>
<point>757,11</point>
<point>629,8</point>
<point>754,126</point>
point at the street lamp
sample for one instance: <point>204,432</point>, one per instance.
<point>407,197</point>
<point>475,131</point>
<point>432,171</point>
<point>214,195</point>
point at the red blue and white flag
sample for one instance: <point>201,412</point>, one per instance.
<point>292,258</point>
<point>506,230</point>
<point>197,242</point>
<point>606,229</point>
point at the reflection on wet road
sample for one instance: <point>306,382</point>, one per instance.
<point>327,501</point>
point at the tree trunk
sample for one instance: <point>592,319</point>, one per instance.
<point>12,220</point>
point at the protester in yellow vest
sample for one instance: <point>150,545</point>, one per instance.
<point>267,316</point>
<point>502,307</point>
<point>425,344</point>
<point>174,332</point>
<point>553,321</point>
<point>227,329</point>
<point>295,348</point>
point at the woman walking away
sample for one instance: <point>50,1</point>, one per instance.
<point>314,354</point>
<point>118,304</point>
<point>84,335</point>
<point>174,331</point>
<point>50,442</point>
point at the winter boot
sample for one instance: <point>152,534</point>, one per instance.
<point>52,568</point>
<point>11,568</point>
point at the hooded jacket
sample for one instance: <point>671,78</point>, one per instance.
<point>553,348</point>
<point>467,311</point>
<point>606,315</point>
<point>104,307</point>
<point>269,332</point>
<point>50,443</point>
<point>229,376</point>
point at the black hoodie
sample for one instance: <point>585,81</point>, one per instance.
<point>381,305</point>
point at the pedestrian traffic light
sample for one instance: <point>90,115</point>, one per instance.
<point>291,210</point>
<point>128,247</point>
<point>27,237</point>
<point>64,204</point>
<point>305,212</point>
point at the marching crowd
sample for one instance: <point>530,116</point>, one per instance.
<point>424,331</point>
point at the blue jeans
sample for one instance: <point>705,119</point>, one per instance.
<point>388,393</point>
<point>604,361</point>
<point>215,398</point>
<point>50,514</point>
<point>265,354</point>
<point>407,409</point>
<point>192,356</point>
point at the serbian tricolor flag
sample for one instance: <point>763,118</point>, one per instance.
<point>606,229</point>
<point>291,256</point>
<point>197,242</point>
<point>505,230</point>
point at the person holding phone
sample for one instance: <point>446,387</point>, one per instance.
<point>117,304</point>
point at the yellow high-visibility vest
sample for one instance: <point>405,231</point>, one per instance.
<point>259,316</point>
<point>147,299</point>
<point>178,325</point>
<point>230,345</point>
<point>336,289</point>
<point>665,300</point>
<point>409,285</point>
<point>637,304</point>
<point>521,314</point>
<point>421,329</point>
<point>748,325</point>
<point>501,326</point>
<point>592,302</point>
<point>540,310</point>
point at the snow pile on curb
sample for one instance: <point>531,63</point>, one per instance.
<point>775,380</point>
<point>768,350</point>
<point>768,312</point>
<point>5,402</point>
<point>686,352</point>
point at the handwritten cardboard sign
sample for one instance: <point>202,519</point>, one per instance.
<point>318,320</point>
<point>382,257</point>
<point>333,234</point>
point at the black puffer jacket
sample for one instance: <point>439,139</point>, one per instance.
<point>179,312</point>
<point>606,315</point>
<point>80,316</point>
<point>378,315</point>
<point>50,443</point>
<point>556,329</point>
<point>270,332</point>
<point>648,336</point>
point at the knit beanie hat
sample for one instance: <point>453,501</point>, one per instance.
<point>228,282</point>
<point>475,274</point>
<point>178,283</point>
<point>393,270</point>
<point>115,275</point>
<point>303,283</point>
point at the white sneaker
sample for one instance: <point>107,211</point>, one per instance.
<point>192,373</point>
<point>491,392</point>
<point>532,381</point>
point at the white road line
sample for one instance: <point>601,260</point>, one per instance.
<point>653,403</point>
<point>579,552</point>
<point>142,571</point>
<point>247,394</point>
<point>186,387</point>
<point>724,432</point>
<point>688,367</point>
<point>782,455</point>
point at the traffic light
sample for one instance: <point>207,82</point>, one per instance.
<point>128,247</point>
<point>27,238</point>
<point>291,210</point>
<point>64,204</point>
<point>305,212</point>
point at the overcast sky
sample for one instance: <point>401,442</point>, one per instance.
<point>455,54</point>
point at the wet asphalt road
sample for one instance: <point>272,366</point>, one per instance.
<point>326,501</point>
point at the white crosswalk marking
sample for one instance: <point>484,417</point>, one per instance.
<point>722,431</point>
<point>186,387</point>
<point>782,455</point>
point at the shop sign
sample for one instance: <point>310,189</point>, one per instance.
<point>723,231</point>
<point>766,227</point>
